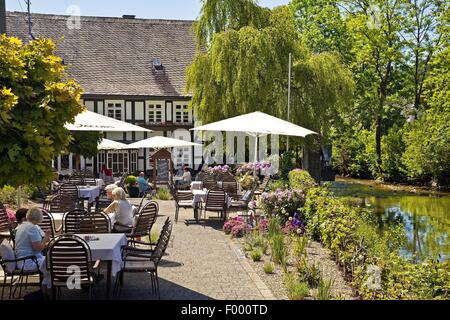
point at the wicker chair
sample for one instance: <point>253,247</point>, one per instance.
<point>95,222</point>
<point>216,202</point>
<point>145,260</point>
<point>69,252</point>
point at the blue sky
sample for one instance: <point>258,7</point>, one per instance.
<point>154,9</point>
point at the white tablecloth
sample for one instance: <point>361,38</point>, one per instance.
<point>196,185</point>
<point>99,183</point>
<point>107,248</point>
<point>89,192</point>
<point>200,196</point>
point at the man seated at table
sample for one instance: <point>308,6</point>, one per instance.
<point>144,186</point>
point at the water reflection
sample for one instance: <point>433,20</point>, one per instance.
<point>426,218</point>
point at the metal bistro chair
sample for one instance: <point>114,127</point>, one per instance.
<point>209,183</point>
<point>72,220</point>
<point>60,204</point>
<point>16,275</point>
<point>183,199</point>
<point>47,223</point>
<point>95,222</point>
<point>77,180</point>
<point>144,222</point>
<point>231,188</point>
<point>70,190</point>
<point>67,254</point>
<point>5,224</point>
<point>145,260</point>
<point>216,202</point>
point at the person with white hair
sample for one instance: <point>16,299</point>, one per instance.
<point>120,211</point>
<point>30,240</point>
<point>109,189</point>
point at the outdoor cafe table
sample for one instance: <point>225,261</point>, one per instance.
<point>199,196</point>
<point>106,249</point>
<point>89,193</point>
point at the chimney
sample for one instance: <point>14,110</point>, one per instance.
<point>128,16</point>
<point>2,17</point>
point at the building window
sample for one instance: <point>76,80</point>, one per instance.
<point>134,161</point>
<point>114,110</point>
<point>181,114</point>
<point>155,113</point>
<point>118,161</point>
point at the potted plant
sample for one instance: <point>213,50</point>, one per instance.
<point>133,189</point>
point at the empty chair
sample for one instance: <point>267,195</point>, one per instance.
<point>228,177</point>
<point>231,188</point>
<point>144,221</point>
<point>145,261</point>
<point>77,180</point>
<point>67,254</point>
<point>262,187</point>
<point>209,183</point>
<point>60,204</point>
<point>101,204</point>
<point>47,223</point>
<point>90,181</point>
<point>69,190</point>
<point>216,201</point>
<point>183,199</point>
<point>95,222</point>
<point>72,219</point>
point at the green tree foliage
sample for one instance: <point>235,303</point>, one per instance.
<point>35,103</point>
<point>427,152</point>
<point>244,67</point>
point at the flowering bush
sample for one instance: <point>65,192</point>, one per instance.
<point>237,227</point>
<point>11,214</point>
<point>282,202</point>
<point>219,169</point>
<point>301,179</point>
<point>263,225</point>
<point>294,225</point>
<point>249,167</point>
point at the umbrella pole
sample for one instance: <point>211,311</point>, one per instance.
<point>256,156</point>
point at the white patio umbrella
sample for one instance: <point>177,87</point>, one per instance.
<point>159,142</point>
<point>91,121</point>
<point>257,124</point>
<point>107,144</point>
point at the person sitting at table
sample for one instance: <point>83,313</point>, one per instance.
<point>144,186</point>
<point>31,240</point>
<point>186,179</point>
<point>121,212</point>
<point>109,189</point>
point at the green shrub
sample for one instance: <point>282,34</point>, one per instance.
<point>8,195</point>
<point>296,290</point>
<point>287,163</point>
<point>353,238</point>
<point>301,179</point>
<point>274,185</point>
<point>268,268</point>
<point>256,255</point>
<point>163,194</point>
<point>324,289</point>
<point>309,273</point>
<point>130,180</point>
<point>279,250</point>
<point>299,247</point>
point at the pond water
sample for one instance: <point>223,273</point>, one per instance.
<point>425,216</point>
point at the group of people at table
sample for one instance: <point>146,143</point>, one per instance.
<point>31,240</point>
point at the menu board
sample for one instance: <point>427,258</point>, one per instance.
<point>162,169</point>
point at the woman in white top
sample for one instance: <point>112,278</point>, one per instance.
<point>120,211</point>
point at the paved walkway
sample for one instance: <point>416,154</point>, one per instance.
<point>201,263</point>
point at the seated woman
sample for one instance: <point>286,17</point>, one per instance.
<point>121,212</point>
<point>187,179</point>
<point>30,240</point>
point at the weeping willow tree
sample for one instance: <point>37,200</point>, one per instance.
<point>242,66</point>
